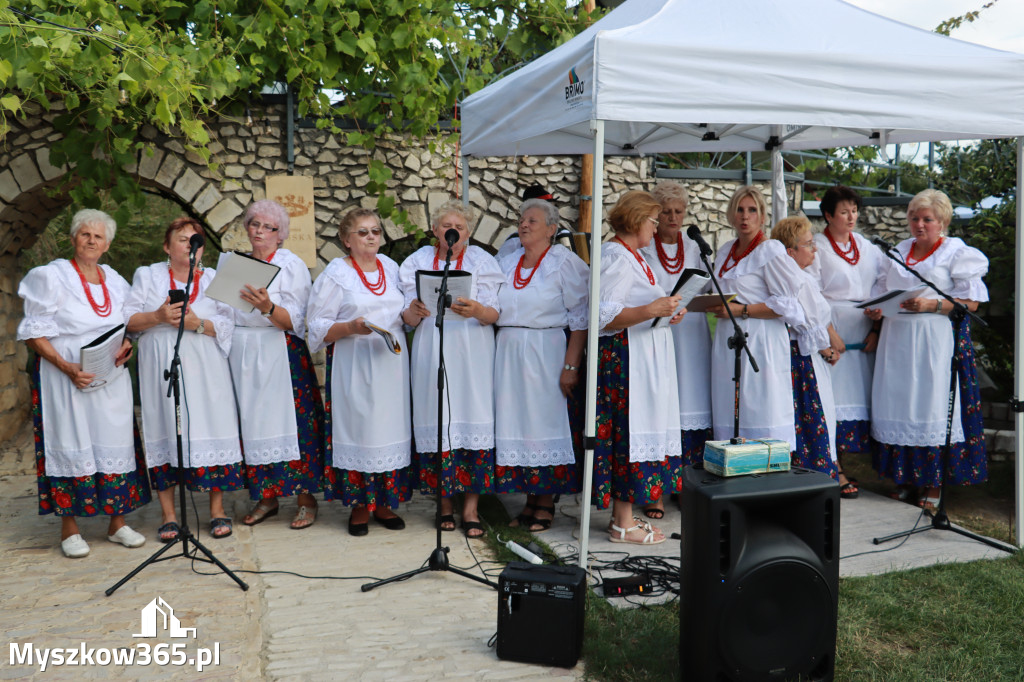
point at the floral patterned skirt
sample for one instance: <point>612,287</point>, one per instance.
<point>111,494</point>
<point>561,479</point>
<point>614,475</point>
<point>693,445</point>
<point>305,474</point>
<point>200,479</point>
<point>853,435</point>
<point>462,471</point>
<point>811,428</point>
<point>968,461</point>
<point>357,488</point>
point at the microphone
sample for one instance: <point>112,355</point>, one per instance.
<point>451,236</point>
<point>694,233</point>
<point>195,242</point>
<point>882,244</point>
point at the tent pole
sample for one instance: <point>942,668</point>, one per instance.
<point>465,180</point>
<point>780,205</point>
<point>593,326</point>
<point>1018,352</point>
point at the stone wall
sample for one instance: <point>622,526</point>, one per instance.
<point>245,153</point>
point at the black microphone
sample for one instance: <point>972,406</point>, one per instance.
<point>882,244</point>
<point>451,236</point>
<point>694,233</point>
<point>195,242</point>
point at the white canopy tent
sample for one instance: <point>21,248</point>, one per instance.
<point>738,75</point>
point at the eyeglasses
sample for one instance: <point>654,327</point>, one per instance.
<point>654,220</point>
<point>256,226</point>
<point>364,233</point>
<point>807,245</point>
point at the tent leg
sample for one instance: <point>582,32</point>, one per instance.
<point>1018,352</point>
<point>590,420</point>
<point>780,204</point>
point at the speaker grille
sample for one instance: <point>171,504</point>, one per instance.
<point>776,621</point>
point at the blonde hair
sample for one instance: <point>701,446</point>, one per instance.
<point>631,210</point>
<point>788,230</point>
<point>742,193</point>
<point>935,200</point>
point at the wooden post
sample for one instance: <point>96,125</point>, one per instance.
<point>586,185</point>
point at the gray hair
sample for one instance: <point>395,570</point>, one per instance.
<point>453,206</point>
<point>667,190</point>
<point>89,216</point>
<point>550,212</point>
<point>273,210</point>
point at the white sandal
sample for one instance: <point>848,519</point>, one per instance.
<point>649,537</point>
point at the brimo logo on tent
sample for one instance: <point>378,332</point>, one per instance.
<point>574,90</point>
<point>157,617</point>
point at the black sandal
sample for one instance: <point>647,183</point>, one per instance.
<point>544,524</point>
<point>849,490</point>
<point>524,520</point>
<point>473,525</point>
<point>446,520</point>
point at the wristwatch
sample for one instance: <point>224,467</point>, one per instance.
<point>273,307</point>
<point>744,314</point>
<point>201,329</point>
<point>570,368</point>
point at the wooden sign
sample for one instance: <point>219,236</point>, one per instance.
<point>295,193</point>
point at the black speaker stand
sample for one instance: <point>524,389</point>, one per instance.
<point>438,560</point>
<point>185,536</point>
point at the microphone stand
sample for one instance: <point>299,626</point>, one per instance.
<point>940,521</point>
<point>438,560</point>
<point>185,536</point>
<point>738,343</point>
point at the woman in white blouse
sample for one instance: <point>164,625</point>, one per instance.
<point>88,459</point>
<point>275,385</point>
<point>765,282</point>
<point>848,267</point>
<point>669,253</point>
<point>535,368</point>
<point>369,429</point>
<point>912,370</point>
<point>468,431</point>
<point>637,398</point>
<point>211,450</point>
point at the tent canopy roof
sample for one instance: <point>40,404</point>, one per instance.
<point>737,75</point>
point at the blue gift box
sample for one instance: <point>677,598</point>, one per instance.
<point>724,458</point>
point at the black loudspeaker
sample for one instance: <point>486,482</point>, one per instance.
<point>759,576</point>
<point>540,613</point>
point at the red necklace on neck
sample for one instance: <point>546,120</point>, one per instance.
<point>195,286</point>
<point>851,255</point>
<point>672,265</point>
<point>639,259</point>
<point>726,267</point>
<point>268,258</point>
<point>101,310</point>
<point>458,263</point>
<point>380,287</point>
<point>914,261</point>
<point>517,281</point>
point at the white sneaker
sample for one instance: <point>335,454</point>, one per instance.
<point>127,537</point>
<point>74,547</point>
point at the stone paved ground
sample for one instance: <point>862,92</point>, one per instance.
<point>434,626</point>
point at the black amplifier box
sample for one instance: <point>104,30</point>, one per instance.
<point>540,613</point>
